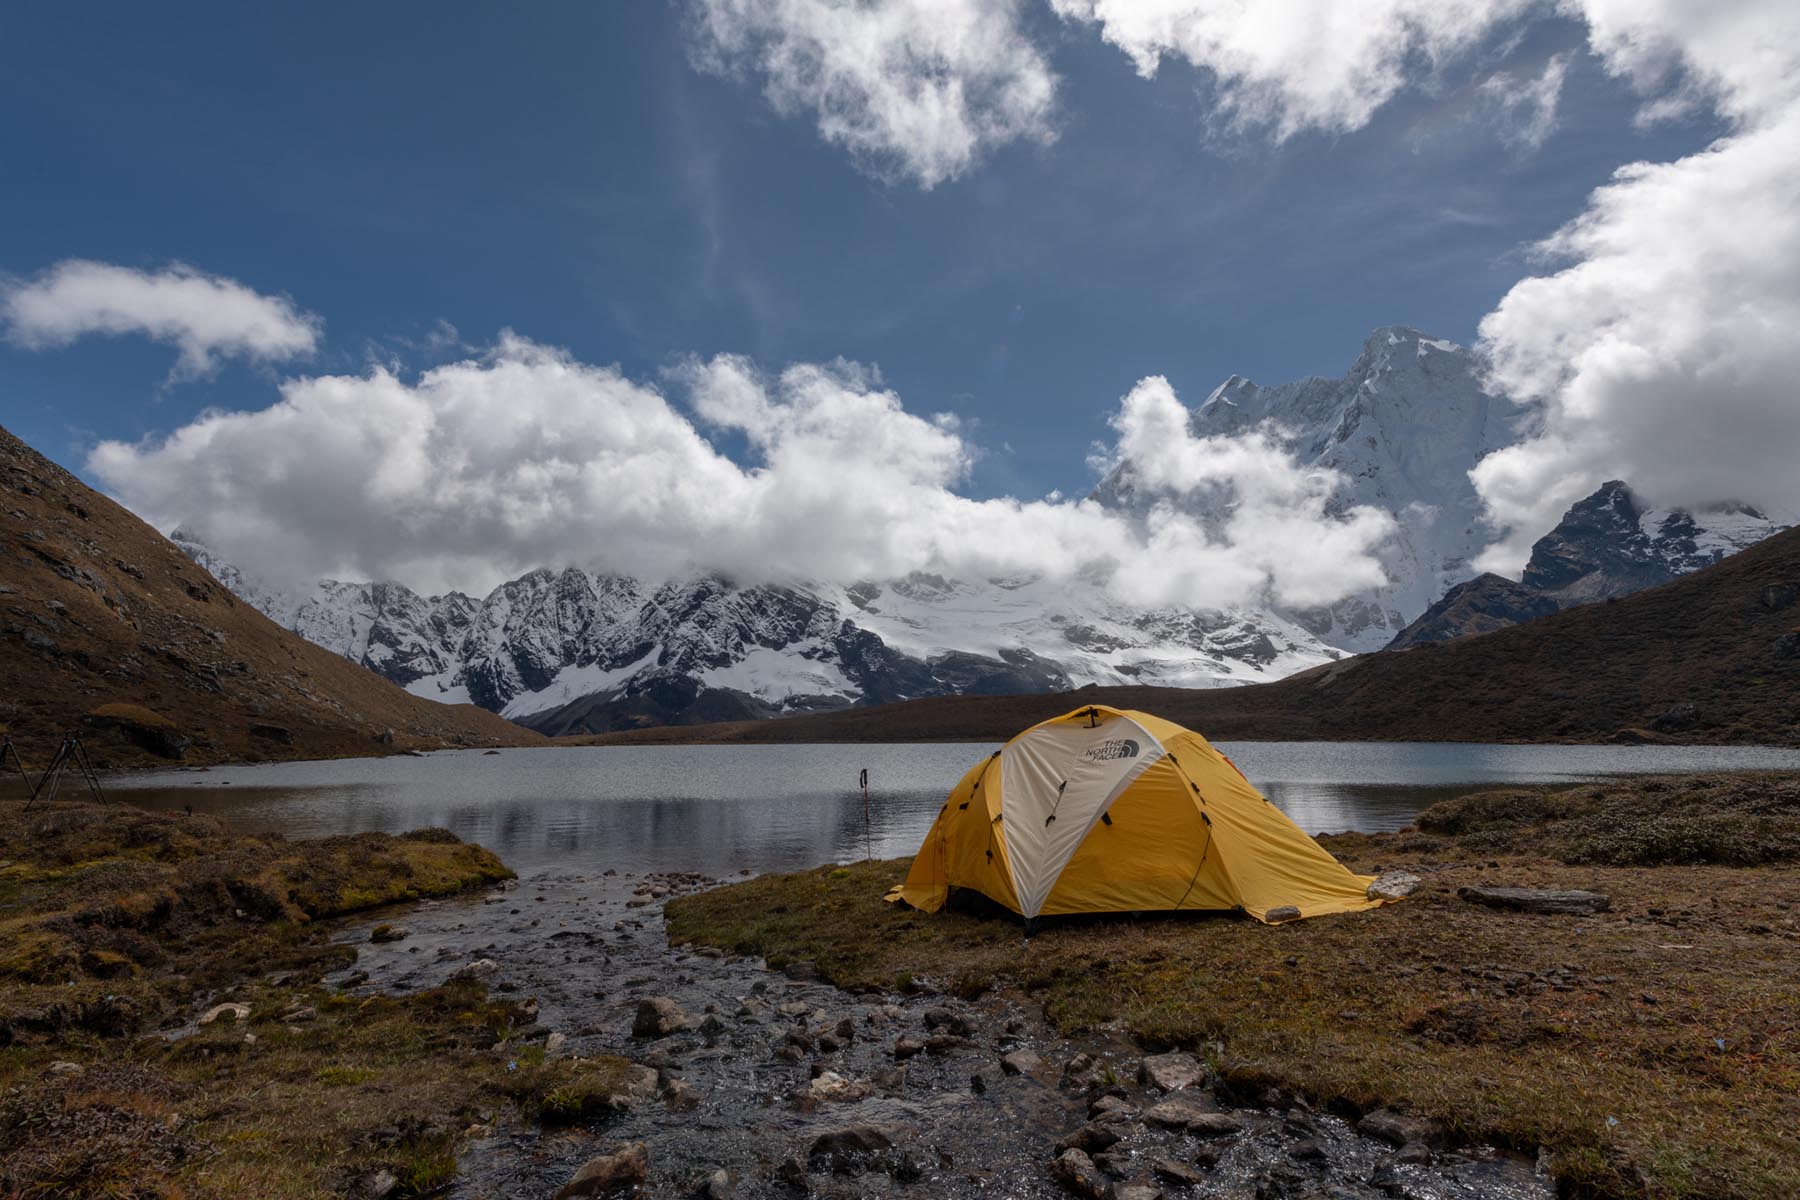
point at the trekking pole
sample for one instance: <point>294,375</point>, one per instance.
<point>868,841</point>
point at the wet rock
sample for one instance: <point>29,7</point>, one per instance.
<point>793,1173</point>
<point>1171,1072</point>
<point>1178,1172</point>
<point>716,1186</point>
<point>1025,1062</point>
<point>944,1043</point>
<point>1398,1129</point>
<point>1112,1108</point>
<point>681,1095</point>
<point>1133,1191</point>
<point>1416,1154</point>
<point>237,1012</point>
<point>658,1016</point>
<point>1394,885</point>
<point>482,970</point>
<point>711,1028</point>
<point>793,1008</point>
<point>951,1022</point>
<point>387,933</point>
<point>1537,900</point>
<point>1186,1112</point>
<point>1077,1172</point>
<point>832,1087</point>
<point>1307,1150</point>
<point>849,1146</point>
<point>1090,1139</point>
<point>623,1169</point>
<point>906,1047</point>
<point>1085,1071</point>
<point>845,1030</point>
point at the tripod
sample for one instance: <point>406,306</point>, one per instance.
<point>71,751</point>
<point>8,750</point>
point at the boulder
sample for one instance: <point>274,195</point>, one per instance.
<point>1281,913</point>
<point>1537,900</point>
<point>619,1171</point>
<point>1394,885</point>
<point>716,1186</point>
<point>658,1016</point>
<point>830,1086</point>
<point>1171,1072</point>
<point>906,1047</point>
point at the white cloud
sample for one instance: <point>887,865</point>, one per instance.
<point>1525,106</point>
<point>484,468</point>
<point>915,88</point>
<point>206,316</point>
<point>1661,350</point>
<point>1293,65</point>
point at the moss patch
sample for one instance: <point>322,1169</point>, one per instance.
<point>116,922</point>
<point>1654,1048</point>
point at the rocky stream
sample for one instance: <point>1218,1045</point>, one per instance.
<point>756,1083</point>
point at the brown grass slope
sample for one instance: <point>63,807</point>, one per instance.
<point>97,609</point>
<point>1711,657</point>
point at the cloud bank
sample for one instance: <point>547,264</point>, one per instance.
<point>484,468</point>
<point>1656,342</point>
<point>207,317</point>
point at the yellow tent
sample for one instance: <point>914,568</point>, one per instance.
<point>1111,810</point>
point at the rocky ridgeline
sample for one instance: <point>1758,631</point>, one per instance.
<point>742,1081</point>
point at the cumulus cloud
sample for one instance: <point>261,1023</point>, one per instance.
<point>1525,105</point>
<point>525,457</point>
<point>914,88</point>
<point>1660,347</point>
<point>206,317</point>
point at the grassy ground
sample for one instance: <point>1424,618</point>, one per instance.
<point>1655,1049</point>
<point>117,926</point>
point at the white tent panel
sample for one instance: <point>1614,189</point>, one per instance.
<point>1057,781</point>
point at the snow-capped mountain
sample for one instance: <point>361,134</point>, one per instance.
<point>1404,426</point>
<point>572,650</point>
<point>1607,545</point>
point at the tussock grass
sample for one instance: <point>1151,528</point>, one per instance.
<point>1654,1049</point>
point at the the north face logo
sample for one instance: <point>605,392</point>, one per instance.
<point>1109,750</point>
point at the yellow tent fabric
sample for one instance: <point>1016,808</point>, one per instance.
<point>1114,810</point>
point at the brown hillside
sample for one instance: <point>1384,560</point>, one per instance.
<point>1711,657</point>
<point>107,628</point>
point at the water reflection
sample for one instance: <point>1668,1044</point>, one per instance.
<point>724,808</point>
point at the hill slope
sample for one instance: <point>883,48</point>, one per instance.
<point>97,609</point>
<point>1710,657</point>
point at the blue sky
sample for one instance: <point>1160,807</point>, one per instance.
<point>569,173</point>
<point>565,172</point>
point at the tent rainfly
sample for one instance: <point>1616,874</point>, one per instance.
<point>1111,810</point>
